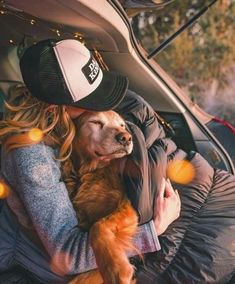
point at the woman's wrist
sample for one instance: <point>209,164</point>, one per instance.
<point>159,226</point>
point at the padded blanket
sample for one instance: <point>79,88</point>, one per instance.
<point>199,247</point>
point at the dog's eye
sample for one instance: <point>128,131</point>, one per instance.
<point>98,122</point>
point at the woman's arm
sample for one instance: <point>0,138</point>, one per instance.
<point>145,170</point>
<point>38,182</point>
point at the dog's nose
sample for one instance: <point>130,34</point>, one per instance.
<point>124,138</point>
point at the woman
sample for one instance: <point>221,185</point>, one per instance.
<point>38,227</point>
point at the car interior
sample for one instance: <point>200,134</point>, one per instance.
<point>107,32</point>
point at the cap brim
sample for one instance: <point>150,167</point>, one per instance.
<point>107,95</point>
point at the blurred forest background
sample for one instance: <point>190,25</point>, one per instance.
<point>202,58</point>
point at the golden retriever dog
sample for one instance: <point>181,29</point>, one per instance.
<point>100,201</point>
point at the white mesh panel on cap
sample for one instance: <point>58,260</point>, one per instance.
<point>72,56</point>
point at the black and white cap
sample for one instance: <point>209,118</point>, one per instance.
<point>65,73</point>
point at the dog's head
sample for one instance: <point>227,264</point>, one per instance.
<point>101,136</point>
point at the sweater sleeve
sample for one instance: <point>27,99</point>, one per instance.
<point>38,182</point>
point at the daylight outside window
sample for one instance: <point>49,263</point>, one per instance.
<point>202,58</point>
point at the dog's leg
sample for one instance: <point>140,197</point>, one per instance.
<point>90,277</point>
<point>111,239</point>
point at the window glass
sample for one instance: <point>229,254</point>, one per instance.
<point>202,58</point>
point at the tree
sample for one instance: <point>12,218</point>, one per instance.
<point>201,58</point>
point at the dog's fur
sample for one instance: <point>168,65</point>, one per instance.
<point>100,202</point>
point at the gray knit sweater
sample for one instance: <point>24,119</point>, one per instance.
<point>40,200</point>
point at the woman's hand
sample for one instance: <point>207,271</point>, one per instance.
<point>167,207</point>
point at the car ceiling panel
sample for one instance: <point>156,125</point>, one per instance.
<point>75,16</point>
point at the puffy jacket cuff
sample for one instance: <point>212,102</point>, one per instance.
<point>154,235</point>
<point>146,240</point>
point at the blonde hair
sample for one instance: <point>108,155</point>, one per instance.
<point>25,112</point>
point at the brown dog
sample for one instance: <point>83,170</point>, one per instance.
<point>100,202</point>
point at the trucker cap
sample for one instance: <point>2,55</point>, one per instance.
<point>64,72</point>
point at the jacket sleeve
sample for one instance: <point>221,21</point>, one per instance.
<point>135,109</point>
<point>142,173</point>
<point>146,166</point>
<point>38,182</point>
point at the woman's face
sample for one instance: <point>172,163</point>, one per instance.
<point>74,112</point>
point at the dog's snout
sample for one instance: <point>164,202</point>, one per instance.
<point>124,138</point>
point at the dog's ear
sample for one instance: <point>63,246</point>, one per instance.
<point>78,122</point>
<point>78,149</point>
<point>70,177</point>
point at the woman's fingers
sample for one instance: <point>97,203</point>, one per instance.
<point>169,190</point>
<point>167,208</point>
<point>177,193</point>
<point>161,192</point>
